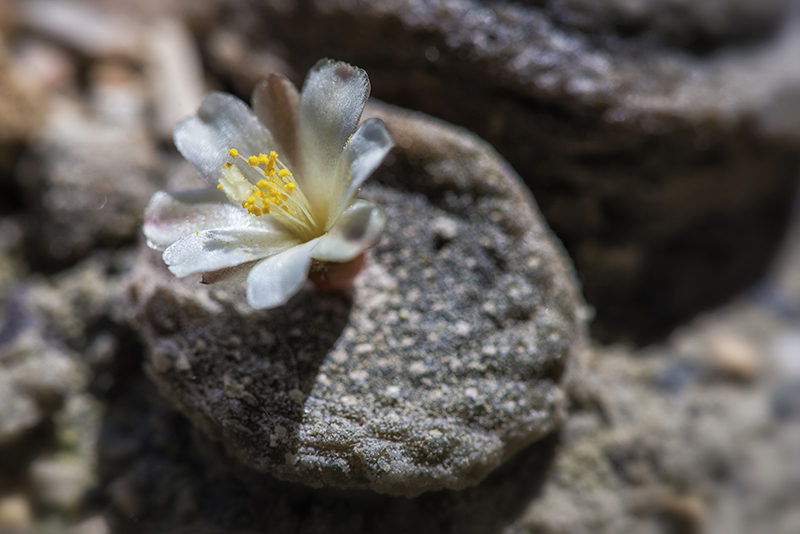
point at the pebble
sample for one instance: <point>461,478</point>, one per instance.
<point>91,31</point>
<point>786,402</point>
<point>59,484</point>
<point>361,401</point>
<point>786,353</point>
<point>93,525</point>
<point>175,71</point>
<point>15,513</point>
<point>677,376</point>
<point>734,356</point>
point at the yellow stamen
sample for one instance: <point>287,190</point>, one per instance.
<point>276,190</point>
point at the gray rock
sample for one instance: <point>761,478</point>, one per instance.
<point>94,171</point>
<point>443,361</point>
<point>696,25</point>
<point>34,380</point>
<point>643,132</point>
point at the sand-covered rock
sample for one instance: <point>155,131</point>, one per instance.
<point>443,361</point>
<point>660,138</point>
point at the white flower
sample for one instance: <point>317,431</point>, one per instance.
<point>284,179</point>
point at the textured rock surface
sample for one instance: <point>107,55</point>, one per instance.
<point>98,161</point>
<point>698,433</point>
<point>659,440</point>
<point>443,361</point>
<point>665,171</point>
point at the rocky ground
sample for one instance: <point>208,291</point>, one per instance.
<point>661,143</point>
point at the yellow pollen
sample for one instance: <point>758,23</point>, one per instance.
<point>276,193</point>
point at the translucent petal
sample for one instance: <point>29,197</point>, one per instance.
<point>222,122</point>
<point>357,229</point>
<point>275,280</point>
<point>235,273</point>
<point>331,103</point>
<point>210,250</point>
<point>171,216</point>
<point>362,155</point>
<point>275,103</point>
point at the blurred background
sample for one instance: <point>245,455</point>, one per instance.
<point>660,139</point>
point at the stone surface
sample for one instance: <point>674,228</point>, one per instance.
<point>443,361</point>
<point>93,525</point>
<point>58,484</point>
<point>708,454</point>
<point>659,440</point>
<point>175,74</point>
<point>99,161</point>
<point>161,476</point>
<point>34,379</point>
<point>20,104</point>
<point>15,513</point>
<point>662,158</point>
<point>78,26</point>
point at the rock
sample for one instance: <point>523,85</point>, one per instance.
<point>695,26</point>
<point>176,480</point>
<point>95,171</point>
<point>45,65</point>
<point>443,362</point>
<point>786,402</point>
<point>646,140</point>
<point>93,32</point>
<point>734,356</point>
<point>18,413</point>
<point>59,484</point>
<point>786,354</point>
<point>20,106</point>
<point>175,73</point>
<point>34,379</point>
<point>93,525</point>
<point>15,513</point>
<point>230,54</point>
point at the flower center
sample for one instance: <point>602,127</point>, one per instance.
<point>275,194</point>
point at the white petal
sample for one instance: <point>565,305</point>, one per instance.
<point>275,280</point>
<point>209,250</point>
<point>275,102</point>
<point>222,122</point>
<point>171,216</point>
<point>357,229</point>
<point>331,103</point>
<point>362,155</point>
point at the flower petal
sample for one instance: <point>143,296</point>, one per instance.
<point>171,216</point>
<point>331,103</point>
<point>210,250</point>
<point>275,103</point>
<point>237,272</point>
<point>362,155</point>
<point>357,229</point>
<point>275,280</point>
<point>222,122</point>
